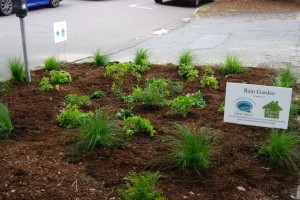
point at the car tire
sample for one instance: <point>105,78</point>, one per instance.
<point>6,7</point>
<point>158,1</point>
<point>196,3</point>
<point>53,3</point>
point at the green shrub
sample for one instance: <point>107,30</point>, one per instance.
<point>136,124</point>
<point>97,94</point>
<point>191,148</point>
<point>16,68</point>
<point>141,187</point>
<point>186,66</point>
<point>71,117</point>
<point>232,66</point>
<point>6,126</point>
<point>45,86</point>
<point>101,129</point>
<point>285,78</point>
<point>125,113</point>
<point>101,59</point>
<point>52,63</point>
<point>141,60</point>
<point>60,76</point>
<point>80,101</point>
<point>210,80</point>
<point>282,148</point>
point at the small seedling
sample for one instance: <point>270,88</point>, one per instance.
<point>221,107</point>
<point>208,70</point>
<point>52,63</point>
<point>232,66</point>
<point>60,77</point>
<point>136,124</point>
<point>101,59</point>
<point>125,113</point>
<point>16,67</point>
<point>210,80</point>
<point>285,78</point>
<point>45,85</point>
<point>80,101</point>
<point>6,126</point>
<point>141,187</point>
<point>97,94</point>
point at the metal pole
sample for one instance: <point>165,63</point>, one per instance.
<point>27,71</point>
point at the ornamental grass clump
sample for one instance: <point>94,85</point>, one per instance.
<point>141,187</point>
<point>102,129</point>
<point>232,66</point>
<point>282,148</point>
<point>101,59</point>
<point>186,66</point>
<point>285,78</point>
<point>52,63</point>
<point>6,126</point>
<point>16,68</point>
<point>191,148</point>
<point>141,58</point>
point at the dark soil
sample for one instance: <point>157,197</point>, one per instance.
<point>37,161</point>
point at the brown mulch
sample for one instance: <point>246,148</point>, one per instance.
<point>37,161</point>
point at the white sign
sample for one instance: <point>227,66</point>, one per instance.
<point>257,105</point>
<point>60,31</point>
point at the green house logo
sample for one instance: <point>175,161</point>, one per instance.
<point>272,110</point>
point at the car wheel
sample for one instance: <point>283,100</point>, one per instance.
<point>196,3</point>
<point>54,3</point>
<point>6,7</point>
<point>158,1</point>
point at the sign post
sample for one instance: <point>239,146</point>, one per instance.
<point>60,34</point>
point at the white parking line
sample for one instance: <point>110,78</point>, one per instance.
<point>136,6</point>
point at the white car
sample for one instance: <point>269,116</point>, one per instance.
<point>194,2</point>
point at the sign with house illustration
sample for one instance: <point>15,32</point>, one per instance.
<point>60,31</point>
<point>257,105</point>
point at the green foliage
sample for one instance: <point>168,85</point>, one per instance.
<point>52,63</point>
<point>4,87</point>
<point>101,59</point>
<point>136,124</point>
<point>232,66</point>
<point>221,107</point>
<point>101,129</point>
<point>186,58</point>
<point>60,76</point>
<point>294,109</point>
<point>181,105</point>
<point>210,80</point>
<point>123,97</point>
<point>186,67</point>
<point>45,86</point>
<point>141,60</point>
<point>191,148</point>
<point>282,148</point>
<point>197,98</point>
<point>125,113</point>
<point>6,126</point>
<point>80,101</point>
<point>141,187</point>
<point>97,94</point>
<point>16,68</point>
<point>175,86</point>
<point>71,117</point>
<point>208,70</point>
<point>285,78</point>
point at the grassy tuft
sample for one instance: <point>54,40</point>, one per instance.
<point>16,67</point>
<point>141,187</point>
<point>52,63</point>
<point>285,78</point>
<point>101,59</point>
<point>232,66</point>
<point>102,129</point>
<point>6,126</point>
<point>141,57</point>
<point>186,58</point>
<point>282,148</point>
<point>191,148</point>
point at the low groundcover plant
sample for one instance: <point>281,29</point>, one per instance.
<point>60,76</point>
<point>136,124</point>
<point>80,101</point>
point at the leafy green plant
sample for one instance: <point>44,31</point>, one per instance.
<point>181,105</point>
<point>4,87</point>
<point>122,96</point>
<point>101,59</point>
<point>282,148</point>
<point>125,113</point>
<point>141,187</point>
<point>80,101</point>
<point>71,117</point>
<point>45,85</point>
<point>136,124</point>
<point>210,80</point>
<point>294,109</point>
<point>232,66</point>
<point>6,126</point>
<point>197,98</point>
<point>285,78</point>
<point>186,58</point>
<point>118,70</point>
<point>52,63</point>
<point>208,70</point>
<point>186,66</point>
<point>60,76</point>
<point>221,107</point>
<point>175,87</point>
<point>97,94</point>
<point>141,60</point>
<point>191,148</point>
<point>16,68</point>
<point>101,129</point>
